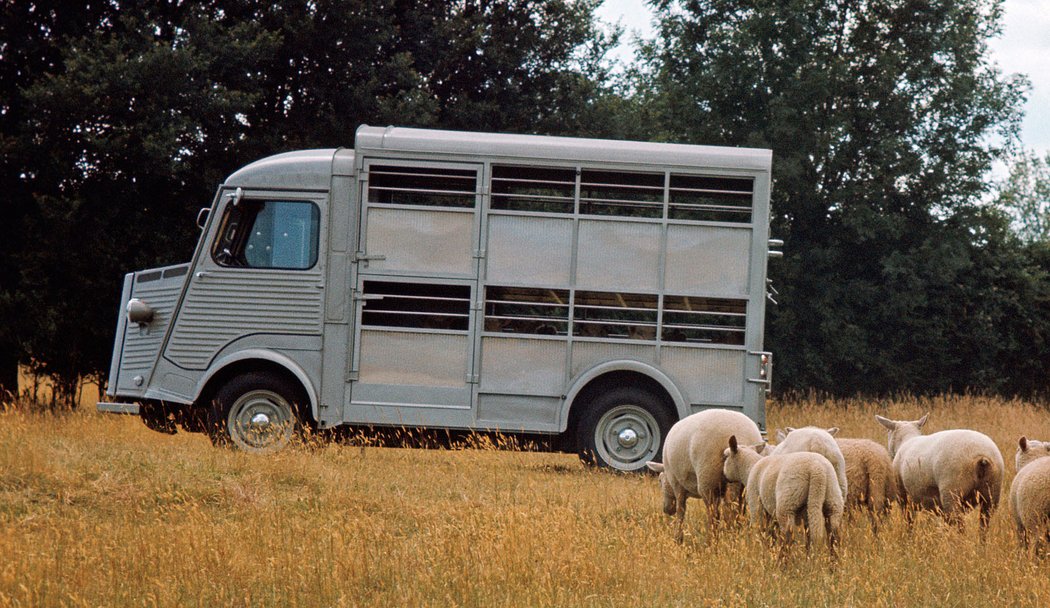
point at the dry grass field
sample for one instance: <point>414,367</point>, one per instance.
<point>100,511</point>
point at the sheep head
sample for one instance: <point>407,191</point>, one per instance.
<point>899,431</point>
<point>1029,450</point>
<point>738,460</point>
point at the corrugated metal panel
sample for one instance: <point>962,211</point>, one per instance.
<point>523,366</point>
<point>618,256</point>
<point>418,359</point>
<point>228,304</point>
<point>431,242</point>
<point>586,355</point>
<point>141,345</point>
<point>529,250</point>
<point>708,260</point>
<point>706,375</point>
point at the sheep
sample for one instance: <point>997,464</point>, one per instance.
<point>1030,492</point>
<point>819,441</point>
<point>692,461</point>
<point>787,488</point>
<point>947,470</point>
<point>870,479</point>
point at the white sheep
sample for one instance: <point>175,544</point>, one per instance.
<point>818,441</point>
<point>788,488</point>
<point>692,461</point>
<point>1030,492</point>
<point>947,470</point>
<point>870,479</point>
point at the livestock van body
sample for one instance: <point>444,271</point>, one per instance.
<point>590,291</point>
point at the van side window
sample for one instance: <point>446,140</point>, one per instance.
<point>268,234</point>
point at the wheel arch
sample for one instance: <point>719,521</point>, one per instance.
<point>620,373</point>
<point>256,360</point>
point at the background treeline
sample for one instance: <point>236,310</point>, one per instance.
<point>906,268</point>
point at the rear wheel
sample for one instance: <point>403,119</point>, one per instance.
<point>623,428</point>
<point>255,412</point>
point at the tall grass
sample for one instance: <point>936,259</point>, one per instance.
<point>99,511</point>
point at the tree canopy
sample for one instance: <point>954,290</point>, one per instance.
<point>119,120</point>
<point>882,117</point>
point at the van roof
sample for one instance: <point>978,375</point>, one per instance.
<point>313,169</point>
<point>500,145</point>
<point>300,170</point>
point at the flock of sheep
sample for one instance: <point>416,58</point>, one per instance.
<point>810,477</point>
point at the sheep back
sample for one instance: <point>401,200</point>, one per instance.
<point>783,486</point>
<point>1030,491</point>
<point>692,453</point>
<point>959,462</point>
<point>870,479</point>
<point>818,441</point>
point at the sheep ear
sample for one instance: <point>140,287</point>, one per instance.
<point>732,443</point>
<point>1023,443</point>
<point>655,467</point>
<point>922,421</point>
<point>833,431</point>
<point>760,447</point>
<point>781,435</point>
<point>886,422</point>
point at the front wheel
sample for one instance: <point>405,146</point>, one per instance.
<point>623,429</point>
<point>255,412</point>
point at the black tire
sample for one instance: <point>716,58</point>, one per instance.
<point>255,412</point>
<point>158,417</point>
<point>623,428</point>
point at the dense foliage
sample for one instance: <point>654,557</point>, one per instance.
<point>119,119</point>
<point>881,117</point>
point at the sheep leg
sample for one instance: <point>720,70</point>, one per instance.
<point>679,524</point>
<point>985,506</point>
<point>734,498</point>
<point>714,503</point>
<point>951,507</point>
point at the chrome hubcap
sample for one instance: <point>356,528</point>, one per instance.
<point>261,421</point>
<point>626,437</point>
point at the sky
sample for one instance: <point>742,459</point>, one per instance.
<point>1024,48</point>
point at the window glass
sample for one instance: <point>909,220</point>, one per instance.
<point>269,234</point>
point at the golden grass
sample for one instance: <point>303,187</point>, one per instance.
<point>99,511</point>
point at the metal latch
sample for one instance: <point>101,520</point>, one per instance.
<point>361,256</point>
<point>367,296</point>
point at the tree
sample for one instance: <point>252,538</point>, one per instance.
<point>880,116</point>
<point>1025,196</point>
<point>141,109</point>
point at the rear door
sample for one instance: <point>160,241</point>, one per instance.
<point>413,342</point>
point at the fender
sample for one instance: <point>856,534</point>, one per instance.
<point>645,369</point>
<point>262,354</point>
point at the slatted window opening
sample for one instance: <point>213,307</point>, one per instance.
<point>428,186</point>
<point>639,195</point>
<point>416,305</point>
<point>710,199</point>
<point>525,310</point>
<point>598,314</point>
<point>535,189</point>
<point>691,319</point>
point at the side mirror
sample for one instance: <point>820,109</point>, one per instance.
<point>202,217</point>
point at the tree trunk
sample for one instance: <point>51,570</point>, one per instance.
<point>8,375</point>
